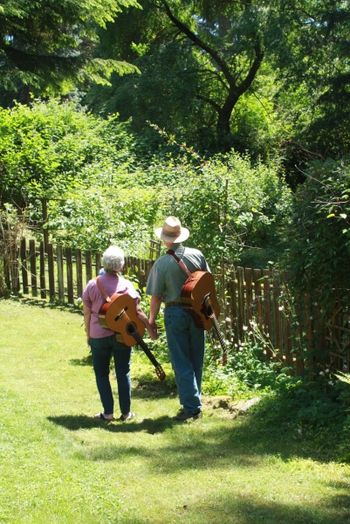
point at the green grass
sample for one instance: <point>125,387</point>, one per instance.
<point>58,465</point>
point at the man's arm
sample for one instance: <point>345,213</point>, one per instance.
<point>154,310</point>
<point>152,330</point>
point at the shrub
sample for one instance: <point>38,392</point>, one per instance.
<point>318,256</point>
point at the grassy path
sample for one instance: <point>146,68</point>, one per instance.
<point>60,466</point>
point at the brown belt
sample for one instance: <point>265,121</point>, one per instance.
<point>181,304</point>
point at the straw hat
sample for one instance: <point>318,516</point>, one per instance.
<point>172,231</point>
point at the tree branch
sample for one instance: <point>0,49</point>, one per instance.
<point>219,61</point>
<point>259,55</point>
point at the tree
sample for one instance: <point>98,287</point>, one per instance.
<point>234,69</point>
<point>313,63</point>
<point>50,46</point>
<point>216,50</point>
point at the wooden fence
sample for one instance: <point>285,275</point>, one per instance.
<point>59,274</point>
<point>254,302</point>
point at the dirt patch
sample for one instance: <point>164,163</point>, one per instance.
<point>229,407</point>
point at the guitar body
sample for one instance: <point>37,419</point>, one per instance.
<point>120,315</point>
<point>198,287</point>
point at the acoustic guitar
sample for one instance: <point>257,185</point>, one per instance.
<point>120,315</point>
<point>198,292</point>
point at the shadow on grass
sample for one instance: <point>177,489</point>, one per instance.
<point>274,428</point>
<point>85,361</point>
<point>45,303</point>
<point>147,386</point>
<point>332,510</point>
<point>76,422</point>
<point>269,430</point>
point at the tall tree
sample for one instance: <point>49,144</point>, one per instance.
<point>314,65</point>
<point>213,33</point>
<point>44,44</point>
<point>215,49</point>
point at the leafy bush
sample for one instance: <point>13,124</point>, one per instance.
<point>318,256</point>
<point>45,147</point>
<point>97,191</point>
<point>249,368</point>
<point>232,208</point>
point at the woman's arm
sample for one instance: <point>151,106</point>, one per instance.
<point>87,318</point>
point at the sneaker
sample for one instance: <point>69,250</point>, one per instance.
<point>127,417</point>
<point>103,416</point>
<point>185,415</point>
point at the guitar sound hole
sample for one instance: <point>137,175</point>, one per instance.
<point>130,328</point>
<point>207,310</point>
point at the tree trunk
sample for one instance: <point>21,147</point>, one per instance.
<point>223,129</point>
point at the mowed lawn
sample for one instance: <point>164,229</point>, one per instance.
<point>59,465</point>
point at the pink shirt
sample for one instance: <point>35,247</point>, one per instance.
<point>93,299</point>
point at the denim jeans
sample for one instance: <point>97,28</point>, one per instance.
<point>186,348</point>
<point>102,351</point>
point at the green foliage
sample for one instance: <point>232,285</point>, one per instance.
<point>46,147</point>
<point>98,191</point>
<point>312,60</point>
<point>319,251</point>
<point>240,208</point>
<point>253,367</point>
<point>51,46</point>
<point>93,218</point>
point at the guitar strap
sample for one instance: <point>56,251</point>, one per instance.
<point>107,299</point>
<point>180,262</point>
<point>102,290</point>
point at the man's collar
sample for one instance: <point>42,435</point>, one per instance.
<point>179,248</point>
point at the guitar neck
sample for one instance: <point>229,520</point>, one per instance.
<point>159,370</point>
<point>218,333</point>
<point>211,314</point>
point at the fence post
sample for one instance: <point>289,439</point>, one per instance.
<point>32,258</point>
<point>88,265</point>
<point>42,271</point>
<point>69,268</point>
<point>24,268</point>
<point>51,268</point>
<point>60,277</point>
<point>79,272</point>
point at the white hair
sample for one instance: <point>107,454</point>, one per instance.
<point>113,259</point>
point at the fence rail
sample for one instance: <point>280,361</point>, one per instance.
<point>252,300</point>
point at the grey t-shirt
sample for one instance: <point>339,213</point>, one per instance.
<point>167,278</point>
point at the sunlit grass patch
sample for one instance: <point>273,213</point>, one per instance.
<point>60,465</point>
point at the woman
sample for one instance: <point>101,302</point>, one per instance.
<point>103,341</point>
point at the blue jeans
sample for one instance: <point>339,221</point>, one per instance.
<point>186,347</point>
<point>102,351</point>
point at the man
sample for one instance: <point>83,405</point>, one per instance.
<point>185,339</point>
